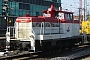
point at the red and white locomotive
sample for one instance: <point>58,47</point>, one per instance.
<point>54,30</point>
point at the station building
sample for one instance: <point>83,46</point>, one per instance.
<point>22,7</point>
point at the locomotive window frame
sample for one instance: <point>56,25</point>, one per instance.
<point>36,24</point>
<point>54,25</point>
<point>60,15</point>
<point>46,24</point>
<point>68,16</point>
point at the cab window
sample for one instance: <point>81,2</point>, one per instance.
<point>68,16</point>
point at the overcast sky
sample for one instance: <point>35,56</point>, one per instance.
<point>73,5</point>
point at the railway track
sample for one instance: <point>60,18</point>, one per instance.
<point>75,53</point>
<point>19,56</point>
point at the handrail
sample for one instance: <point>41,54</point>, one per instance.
<point>50,28</point>
<point>42,24</point>
<point>42,28</point>
<point>13,30</point>
<point>33,33</point>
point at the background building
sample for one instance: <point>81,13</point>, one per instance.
<point>22,7</point>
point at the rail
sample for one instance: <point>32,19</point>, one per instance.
<point>73,54</point>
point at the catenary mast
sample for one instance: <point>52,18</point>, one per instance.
<point>80,7</point>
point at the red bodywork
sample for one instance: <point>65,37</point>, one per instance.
<point>51,11</point>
